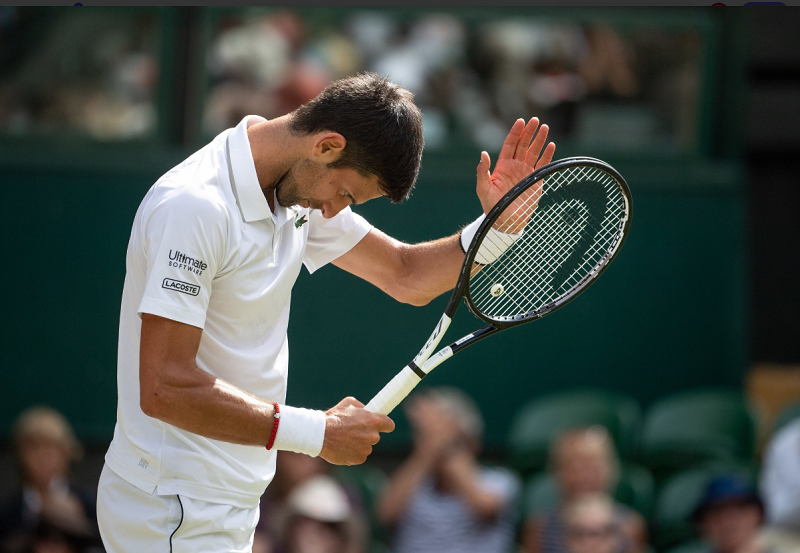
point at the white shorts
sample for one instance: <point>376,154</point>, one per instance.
<point>133,521</point>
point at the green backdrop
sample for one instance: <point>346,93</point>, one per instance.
<point>669,314</point>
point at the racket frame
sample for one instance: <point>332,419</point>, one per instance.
<point>462,287</point>
<point>424,362</point>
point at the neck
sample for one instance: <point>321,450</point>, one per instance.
<point>275,149</point>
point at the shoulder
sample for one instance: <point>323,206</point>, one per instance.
<point>180,198</point>
<point>499,475</point>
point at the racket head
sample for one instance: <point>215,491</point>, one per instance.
<point>569,219</point>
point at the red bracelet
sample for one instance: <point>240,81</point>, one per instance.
<point>275,424</point>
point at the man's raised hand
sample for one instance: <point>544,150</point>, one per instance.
<point>518,158</point>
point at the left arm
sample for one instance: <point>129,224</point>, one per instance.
<point>463,473</point>
<point>417,273</point>
<point>410,273</point>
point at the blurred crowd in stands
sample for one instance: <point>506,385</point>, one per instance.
<point>690,481</point>
<point>469,78</point>
<point>97,73</point>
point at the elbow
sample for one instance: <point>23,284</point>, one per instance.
<point>150,403</point>
<point>489,513</point>
<point>410,295</point>
<point>386,513</point>
<point>153,400</point>
<point>415,299</point>
<point>404,286</point>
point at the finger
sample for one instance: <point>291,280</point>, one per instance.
<point>537,145</point>
<point>525,139</point>
<point>547,156</point>
<point>484,177</point>
<point>510,143</point>
<point>385,424</point>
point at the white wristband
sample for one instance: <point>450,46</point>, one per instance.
<point>300,430</point>
<point>469,231</point>
<point>494,244</point>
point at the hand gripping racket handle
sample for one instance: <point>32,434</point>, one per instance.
<point>394,392</point>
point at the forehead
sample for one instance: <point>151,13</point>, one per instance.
<point>581,446</point>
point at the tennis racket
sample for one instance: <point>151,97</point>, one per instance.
<point>541,245</point>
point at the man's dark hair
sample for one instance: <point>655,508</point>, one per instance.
<point>382,126</point>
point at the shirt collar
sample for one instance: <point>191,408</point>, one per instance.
<point>250,197</point>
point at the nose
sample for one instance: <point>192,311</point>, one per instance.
<point>332,208</point>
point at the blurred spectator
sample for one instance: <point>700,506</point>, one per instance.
<point>470,78</point>
<point>591,526</point>
<point>440,499</point>
<point>279,505</point>
<point>259,67</point>
<point>584,463</point>
<point>780,485</point>
<point>78,72</point>
<point>729,516</point>
<point>47,513</point>
<point>319,512</point>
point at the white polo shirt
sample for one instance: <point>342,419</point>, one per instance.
<point>206,250</point>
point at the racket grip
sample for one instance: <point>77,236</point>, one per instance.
<point>394,392</point>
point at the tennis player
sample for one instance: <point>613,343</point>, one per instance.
<point>215,249</point>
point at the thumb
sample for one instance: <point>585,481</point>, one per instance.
<point>483,171</point>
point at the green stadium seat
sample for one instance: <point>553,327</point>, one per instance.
<point>543,419</point>
<point>635,488</point>
<point>694,546</point>
<point>539,496</point>
<point>787,415</point>
<point>677,499</point>
<point>695,427</point>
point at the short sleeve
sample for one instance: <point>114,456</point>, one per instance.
<point>184,237</point>
<point>331,238</point>
<point>501,483</point>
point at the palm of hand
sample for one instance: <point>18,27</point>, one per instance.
<point>507,173</point>
<point>518,157</point>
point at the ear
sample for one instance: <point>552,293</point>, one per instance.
<point>327,147</point>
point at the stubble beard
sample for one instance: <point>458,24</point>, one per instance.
<point>288,190</point>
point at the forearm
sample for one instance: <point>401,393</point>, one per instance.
<point>410,273</point>
<point>465,479</point>
<point>172,388</point>
<point>196,401</point>
<point>429,269</point>
<point>402,485</point>
<point>483,503</point>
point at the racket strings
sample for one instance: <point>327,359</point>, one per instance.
<point>546,269</point>
<point>524,264</point>
<point>573,217</point>
<point>552,263</point>
<point>550,231</point>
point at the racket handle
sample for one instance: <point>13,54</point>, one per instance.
<point>394,392</point>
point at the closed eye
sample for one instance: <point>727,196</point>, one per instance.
<point>352,199</point>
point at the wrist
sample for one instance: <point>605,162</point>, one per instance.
<point>493,246</point>
<point>468,233</point>
<point>299,430</point>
